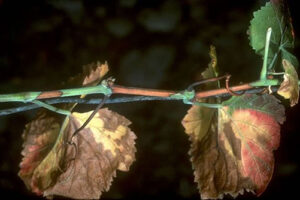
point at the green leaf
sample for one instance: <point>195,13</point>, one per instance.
<point>255,102</point>
<point>275,16</point>
<point>290,57</point>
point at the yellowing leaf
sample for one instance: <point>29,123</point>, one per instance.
<point>232,147</point>
<point>211,71</point>
<point>103,146</point>
<point>289,88</point>
<point>82,170</point>
<point>79,167</point>
<point>198,120</point>
<point>43,139</point>
<point>41,155</point>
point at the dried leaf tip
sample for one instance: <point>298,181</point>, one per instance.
<point>289,88</point>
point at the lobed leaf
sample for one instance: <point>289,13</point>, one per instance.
<point>275,15</point>
<point>103,146</point>
<point>52,164</point>
<point>232,147</point>
<point>82,171</point>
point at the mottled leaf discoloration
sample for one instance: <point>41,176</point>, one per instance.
<point>100,152</point>
<point>80,167</point>
<point>235,151</point>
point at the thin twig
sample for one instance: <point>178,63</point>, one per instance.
<point>29,106</point>
<point>191,87</point>
<point>229,90</point>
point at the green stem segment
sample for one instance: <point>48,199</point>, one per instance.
<point>263,74</point>
<point>208,105</point>
<point>187,96</point>
<point>265,82</point>
<point>26,97</point>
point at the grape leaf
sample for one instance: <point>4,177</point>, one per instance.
<point>104,145</point>
<point>275,15</point>
<point>234,153</point>
<point>40,137</point>
<point>211,70</point>
<point>198,121</point>
<point>289,88</point>
<point>202,124</point>
<point>51,166</point>
<point>93,73</point>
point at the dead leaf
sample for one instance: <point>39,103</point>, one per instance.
<point>93,73</point>
<point>289,88</point>
<point>42,152</point>
<point>52,167</point>
<point>42,139</point>
<point>232,147</point>
<point>211,71</point>
<point>103,146</point>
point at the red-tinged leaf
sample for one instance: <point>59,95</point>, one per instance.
<point>42,141</point>
<point>40,136</point>
<point>83,170</point>
<point>234,153</point>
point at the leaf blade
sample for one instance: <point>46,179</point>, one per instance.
<point>275,15</point>
<point>103,147</point>
<point>236,154</point>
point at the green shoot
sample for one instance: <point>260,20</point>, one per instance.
<point>263,74</point>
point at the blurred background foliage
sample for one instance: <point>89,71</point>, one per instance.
<point>160,44</point>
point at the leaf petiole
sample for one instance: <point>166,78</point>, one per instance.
<point>276,73</point>
<point>208,105</point>
<point>185,95</point>
<point>91,116</point>
<point>265,82</point>
<point>26,97</point>
<point>263,73</point>
<point>52,108</point>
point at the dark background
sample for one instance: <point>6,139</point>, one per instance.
<point>159,44</point>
